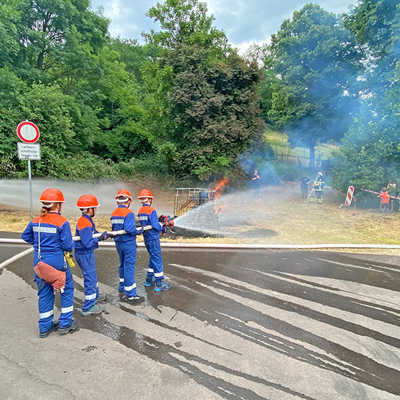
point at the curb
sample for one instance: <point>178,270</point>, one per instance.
<point>239,246</point>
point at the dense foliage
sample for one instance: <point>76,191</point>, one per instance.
<point>184,103</point>
<point>336,78</point>
<point>370,153</point>
<point>309,70</point>
<point>212,105</point>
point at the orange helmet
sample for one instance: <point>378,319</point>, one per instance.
<point>87,201</point>
<point>123,195</point>
<point>145,194</point>
<point>52,196</point>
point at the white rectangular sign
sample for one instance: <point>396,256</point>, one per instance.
<point>27,151</point>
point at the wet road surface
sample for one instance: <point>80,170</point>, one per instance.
<point>259,324</point>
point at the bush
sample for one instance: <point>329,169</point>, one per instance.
<point>137,166</point>
<point>84,166</point>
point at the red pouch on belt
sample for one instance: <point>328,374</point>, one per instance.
<point>50,274</point>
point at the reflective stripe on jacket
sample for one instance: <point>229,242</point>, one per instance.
<point>124,219</point>
<point>55,238</point>
<point>148,216</point>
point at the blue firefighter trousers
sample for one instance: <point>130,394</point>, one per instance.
<point>87,262</point>
<point>127,256</point>
<point>155,260</point>
<point>46,303</point>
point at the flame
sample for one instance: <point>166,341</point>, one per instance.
<point>218,190</point>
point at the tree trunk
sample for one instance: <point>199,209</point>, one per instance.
<point>40,60</point>
<point>312,156</point>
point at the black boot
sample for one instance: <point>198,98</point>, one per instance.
<point>74,327</point>
<point>43,335</point>
<point>134,300</point>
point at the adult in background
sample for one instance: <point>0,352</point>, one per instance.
<point>50,235</point>
<point>256,183</point>
<point>385,199</point>
<point>393,193</point>
<point>319,187</point>
<point>304,186</point>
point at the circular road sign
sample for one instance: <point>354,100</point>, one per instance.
<point>28,132</point>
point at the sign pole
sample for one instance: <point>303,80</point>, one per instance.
<point>29,134</point>
<point>30,187</point>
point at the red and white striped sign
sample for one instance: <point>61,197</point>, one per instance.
<point>349,196</point>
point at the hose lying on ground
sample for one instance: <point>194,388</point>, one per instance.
<point>16,257</point>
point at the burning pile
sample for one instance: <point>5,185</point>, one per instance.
<point>218,190</point>
<point>198,209</point>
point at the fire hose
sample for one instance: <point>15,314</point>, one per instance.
<point>111,233</point>
<point>57,278</point>
<point>68,256</point>
<point>371,191</point>
<point>165,221</point>
<point>221,246</point>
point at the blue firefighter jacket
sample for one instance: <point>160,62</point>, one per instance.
<point>85,228</point>
<point>124,219</point>
<point>55,239</point>
<point>148,216</point>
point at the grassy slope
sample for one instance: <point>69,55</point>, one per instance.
<point>280,145</point>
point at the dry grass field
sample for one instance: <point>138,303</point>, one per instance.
<point>280,210</point>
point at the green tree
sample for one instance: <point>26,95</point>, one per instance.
<point>185,22</point>
<point>215,112</point>
<point>370,152</point>
<point>310,67</point>
<point>50,109</point>
<point>59,68</point>
<point>9,45</point>
<point>210,93</point>
<point>109,105</point>
<point>46,27</point>
<point>135,56</point>
<point>116,96</point>
<point>10,89</point>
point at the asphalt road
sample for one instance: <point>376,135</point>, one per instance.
<point>236,325</point>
